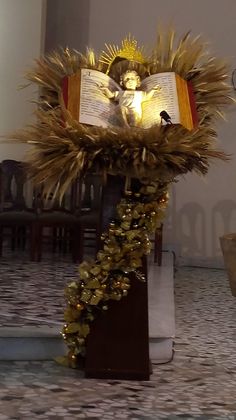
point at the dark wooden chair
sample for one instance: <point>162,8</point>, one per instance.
<point>56,223</point>
<point>72,224</point>
<point>88,203</point>
<point>16,217</point>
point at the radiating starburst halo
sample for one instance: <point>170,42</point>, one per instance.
<point>129,50</point>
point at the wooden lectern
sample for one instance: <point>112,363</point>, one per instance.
<point>118,343</point>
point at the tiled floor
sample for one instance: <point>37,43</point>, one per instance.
<point>199,383</point>
<point>32,293</point>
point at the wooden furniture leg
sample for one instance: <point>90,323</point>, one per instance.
<point>158,245</point>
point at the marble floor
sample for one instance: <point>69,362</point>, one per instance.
<point>199,383</point>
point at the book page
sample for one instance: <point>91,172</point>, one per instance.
<point>95,107</point>
<point>164,100</point>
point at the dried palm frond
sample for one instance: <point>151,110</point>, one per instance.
<point>62,151</point>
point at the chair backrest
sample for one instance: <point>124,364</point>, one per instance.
<point>88,193</point>
<point>92,192</point>
<point>13,179</point>
<point>83,194</point>
<point>51,203</point>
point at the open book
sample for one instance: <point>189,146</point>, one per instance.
<point>87,103</point>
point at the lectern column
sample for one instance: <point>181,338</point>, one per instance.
<point>117,346</point>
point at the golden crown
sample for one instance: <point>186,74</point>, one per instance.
<point>129,50</point>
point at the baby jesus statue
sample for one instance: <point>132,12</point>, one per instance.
<point>130,100</point>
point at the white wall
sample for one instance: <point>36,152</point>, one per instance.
<point>201,209</point>
<point>21,41</point>
<point>67,24</point>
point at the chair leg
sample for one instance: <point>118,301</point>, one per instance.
<point>55,233</point>
<point>21,233</point>
<point>1,239</point>
<point>76,244</point>
<point>98,240</point>
<point>81,244</point>
<point>74,234</point>
<point>40,242</point>
<point>14,236</point>
<point>36,241</point>
<point>32,244</point>
<point>65,239</point>
<point>158,245</point>
<point>23,237</point>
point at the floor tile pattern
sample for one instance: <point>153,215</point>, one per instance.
<point>200,382</point>
<point>33,293</point>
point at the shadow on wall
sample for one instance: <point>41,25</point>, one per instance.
<point>223,221</point>
<point>191,228</point>
<point>199,231</point>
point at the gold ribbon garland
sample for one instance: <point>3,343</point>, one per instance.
<point>107,278</point>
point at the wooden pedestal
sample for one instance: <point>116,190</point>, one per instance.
<point>117,346</point>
